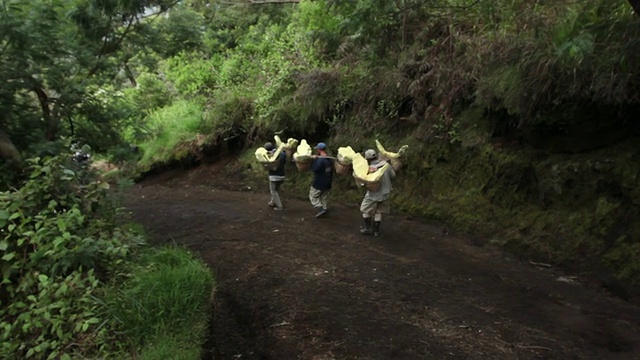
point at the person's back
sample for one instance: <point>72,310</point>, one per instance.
<point>375,202</point>
<point>276,177</point>
<point>385,182</point>
<point>322,173</point>
<point>322,167</point>
<point>279,173</point>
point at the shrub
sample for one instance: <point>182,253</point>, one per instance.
<point>58,244</point>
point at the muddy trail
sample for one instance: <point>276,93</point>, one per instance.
<point>291,286</point>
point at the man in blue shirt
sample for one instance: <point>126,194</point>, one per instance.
<point>322,167</point>
<point>276,177</point>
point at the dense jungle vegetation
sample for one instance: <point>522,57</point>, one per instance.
<point>521,116</point>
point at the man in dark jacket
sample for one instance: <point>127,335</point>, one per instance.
<point>276,177</point>
<point>322,167</point>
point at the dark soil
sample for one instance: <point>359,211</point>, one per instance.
<point>291,286</point>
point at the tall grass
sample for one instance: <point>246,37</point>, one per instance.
<point>170,126</point>
<point>162,308</point>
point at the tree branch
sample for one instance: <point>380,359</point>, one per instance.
<point>105,50</point>
<point>51,122</point>
<point>8,150</point>
<point>71,127</point>
<point>163,9</point>
<point>129,73</point>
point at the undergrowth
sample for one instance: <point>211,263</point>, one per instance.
<point>162,306</point>
<point>170,127</point>
<point>75,283</point>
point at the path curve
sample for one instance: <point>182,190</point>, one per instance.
<point>291,286</point>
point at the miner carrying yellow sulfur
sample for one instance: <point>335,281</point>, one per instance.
<point>322,167</point>
<point>275,159</point>
<point>375,200</point>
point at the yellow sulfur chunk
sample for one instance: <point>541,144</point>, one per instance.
<point>262,155</point>
<point>292,143</point>
<point>346,155</point>
<point>303,152</point>
<point>278,140</point>
<point>388,154</point>
<point>361,169</point>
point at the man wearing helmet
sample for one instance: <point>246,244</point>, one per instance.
<point>374,203</point>
<point>276,177</point>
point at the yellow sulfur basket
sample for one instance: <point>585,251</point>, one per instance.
<point>342,169</point>
<point>303,166</point>
<point>270,165</point>
<point>372,186</point>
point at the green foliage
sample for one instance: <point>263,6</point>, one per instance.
<point>60,248</point>
<point>149,94</point>
<point>59,243</point>
<point>319,26</point>
<point>191,74</point>
<point>506,84</point>
<point>229,115</point>
<point>59,57</point>
<point>172,130</point>
<point>174,346</point>
<point>162,308</point>
<point>293,92</point>
<point>181,31</point>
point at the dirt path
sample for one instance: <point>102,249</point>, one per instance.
<point>291,286</point>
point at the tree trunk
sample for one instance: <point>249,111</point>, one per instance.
<point>130,75</point>
<point>51,121</point>
<point>8,150</point>
<point>635,4</point>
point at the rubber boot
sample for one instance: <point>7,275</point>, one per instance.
<point>366,228</point>
<point>376,228</point>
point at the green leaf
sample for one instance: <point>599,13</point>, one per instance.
<point>4,216</point>
<point>58,241</point>
<point>62,290</point>
<point>9,256</point>
<point>4,244</point>
<point>62,225</point>
<point>65,357</point>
